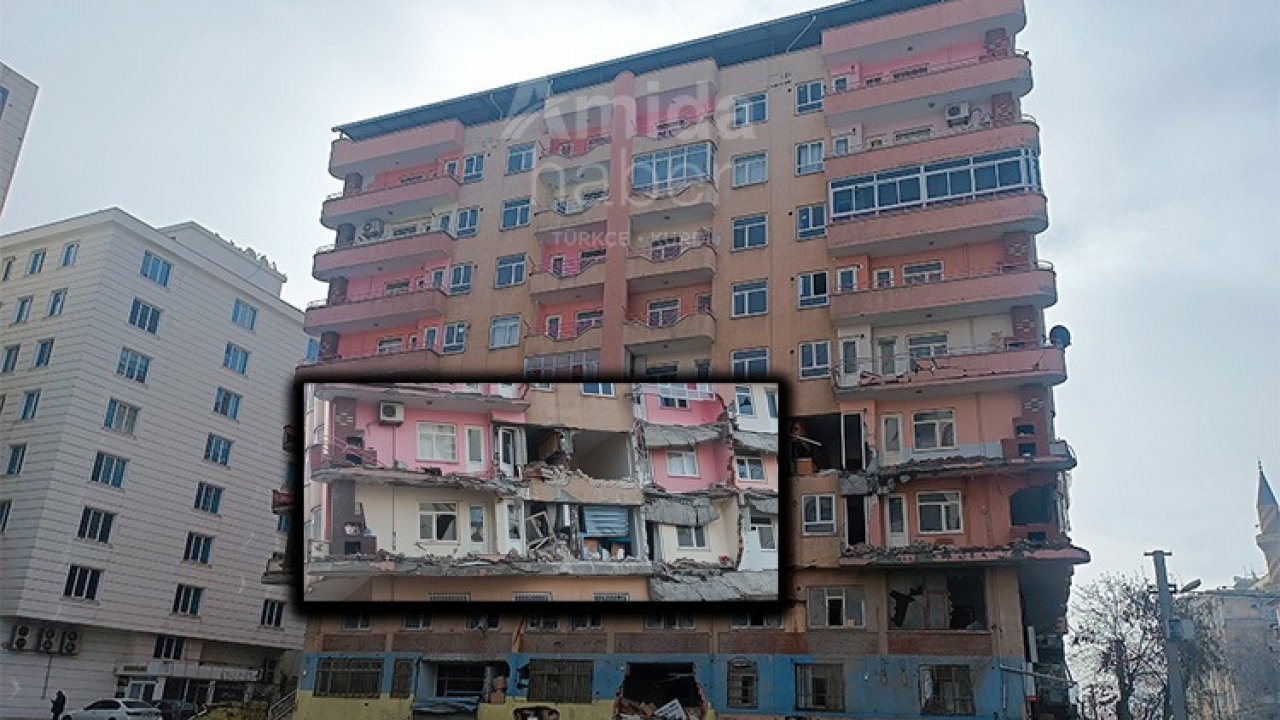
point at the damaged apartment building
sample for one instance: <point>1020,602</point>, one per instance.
<point>553,491</point>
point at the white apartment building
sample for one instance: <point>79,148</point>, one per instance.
<point>144,383</point>
<point>17,99</point>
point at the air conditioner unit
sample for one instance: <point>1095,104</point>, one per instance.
<point>372,229</point>
<point>69,644</point>
<point>957,113</point>
<point>565,149</point>
<point>875,142</point>
<point>839,84</point>
<point>23,638</point>
<point>48,640</point>
<point>390,413</point>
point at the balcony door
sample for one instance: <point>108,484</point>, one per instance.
<point>475,449</point>
<point>895,521</point>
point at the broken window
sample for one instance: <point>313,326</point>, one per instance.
<point>661,683</point>
<point>743,681</point>
<point>566,681</point>
<point>539,621</point>
<point>836,607</point>
<point>438,522</point>
<point>483,622</point>
<point>668,621</point>
<point>460,679</point>
<point>765,531</point>
<point>855,513</point>
<point>937,601</point>
<point>820,687</point>
<point>513,521</point>
<point>819,514</point>
<point>1033,506</point>
<point>940,512</point>
<point>946,690</point>
<point>691,537</point>
<point>755,619</point>
<point>934,429</point>
<point>749,468</point>
<point>590,621</point>
<point>348,677</point>
<point>402,679</point>
<point>477,523</point>
<point>417,621</point>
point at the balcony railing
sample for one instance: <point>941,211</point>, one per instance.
<point>393,234</point>
<point>581,205</point>
<point>340,453</point>
<point>918,71</point>
<point>899,138</point>
<point>678,391</point>
<point>656,319</point>
<point>669,128</point>
<point>573,148</point>
<point>943,363</point>
<point>670,189</point>
<point>426,287</point>
<point>570,267</point>
<point>573,332</point>
<point>672,250</point>
<point>933,279</point>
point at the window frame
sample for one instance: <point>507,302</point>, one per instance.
<point>750,169</point>
<point>821,524</point>
<point>745,294</point>
<point>744,107</point>
<point>809,104</point>
<point>745,229</point>
<point>433,511</point>
<point>685,456</point>
<point>806,227</point>
<point>522,210</point>
<point>691,537</point>
<point>807,290</point>
<point>813,370</point>
<point>950,499</point>
<point>507,324</point>
<point>812,166</point>
<point>939,423</point>
<point>436,432</point>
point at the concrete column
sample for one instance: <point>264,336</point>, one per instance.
<point>618,226</point>
<point>346,236</point>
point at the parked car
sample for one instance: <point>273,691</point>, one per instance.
<point>115,709</point>
<point>175,709</point>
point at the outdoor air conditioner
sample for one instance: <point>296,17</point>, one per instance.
<point>372,229</point>
<point>957,113</point>
<point>23,637</point>
<point>390,413</point>
<point>69,642</point>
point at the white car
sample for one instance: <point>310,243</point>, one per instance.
<point>115,709</point>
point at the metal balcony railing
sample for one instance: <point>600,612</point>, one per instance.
<point>425,287</point>
<point>392,234</point>
<point>859,372</point>
<point>666,250</point>
<point>573,148</point>
<point>945,277</point>
<point>917,71</point>
<point>426,176</point>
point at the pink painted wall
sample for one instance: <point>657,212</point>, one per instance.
<point>571,249</point>
<point>770,476</point>
<point>650,114</point>
<point>376,284</point>
<point>567,312</point>
<point>391,178</point>
<point>712,468</point>
<point>987,520</point>
<point>985,418</point>
<point>956,262</point>
<point>400,442</point>
<point>638,303</point>
<point>699,412</point>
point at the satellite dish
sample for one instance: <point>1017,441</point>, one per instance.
<point>1059,336</point>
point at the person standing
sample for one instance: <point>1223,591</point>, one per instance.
<point>58,705</point>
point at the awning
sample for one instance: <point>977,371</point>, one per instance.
<point>684,511</point>
<point>606,521</point>
<point>760,442</point>
<point>664,436</point>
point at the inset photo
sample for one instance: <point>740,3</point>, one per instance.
<point>500,492</point>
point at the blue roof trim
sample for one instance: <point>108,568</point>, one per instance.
<point>775,37</point>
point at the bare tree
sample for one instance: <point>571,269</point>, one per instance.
<point>1118,652</point>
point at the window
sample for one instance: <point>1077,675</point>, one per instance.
<point>940,512</point>
<point>813,289</point>
<point>766,531</point>
<point>348,677</point>
<point>57,299</point>
<point>926,346</point>
<point>438,522</point>
<point>10,358</point>
<point>836,607</point>
<point>22,310</point>
<point>235,358</point>
<point>455,338</point>
<point>155,269</point>
<point>958,178</point>
<point>402,678</point>
<point>744,401</point>
<point>283,523</point>
<point>691,537</point>
<point>672,169</point>
<point>356,621</point>
<point>565,681</point>
<point>755,619</point>
<point>133,365</point>
<point>946,690</point>
<point>743,682</point>
<point>95,525</point>
<point>750,109</point>
<point>809,157</point>
<point>751,298</point>
<point>539,621</point>
<point>883,278</point>
<point>920,273</point>
<point>808,97</point>
<point>438,441</point>
<point>475,515</point>
<point>144,316</point>
<point>208,498</point>
<point>749,468</point>
<point>473,168</point>
<point>504,332</point>
<point>750,232</point>
<point>109,469</point>
<point>226,403</point>
<point>460,279</point>
<point>681,463</point>
<point>515,213</point>
<point>510,271</point>
<point>750,169</point>
<point>669,621</point>
<point>819,514</point>
<point>44,351</point>
<point>17,455</point>
<point>186,600</point>
<point>198,548</point>
<point>811,222</point>
<point>598,389</point>
<point>168,647</point>
<point>591,621</point>
<point>69,252</point>
<point>30,405</point>
<point>35,262</point>
<point>664,313</point>
<point>771,397</point>
<point>82,582</point>
<point>819,687</point>
<point>7,272</point>
<point>934,429</point>
<point>417,621</point>
<point>519,158</point>
<point>217,449</point>
<point>244,315</point>
<point>6,506</point>
<point>468,221</point>
<point>272,613</point>
<point>488,621</point>
<point>847,279</point>
<point>815,359</point>
<point>748,364</point>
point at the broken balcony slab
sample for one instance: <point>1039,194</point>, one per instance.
<point>477,567</point>
<point>921,555</point>
<point>714,584</point>
<point>885,479</point>
<point>756,441</point>
<point>556,485</point>
<point>676,510</point>
<point>762,502</point>
<point>666,436</point>
<point>418,479</point>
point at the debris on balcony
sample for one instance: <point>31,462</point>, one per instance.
<point>669,691</point>
<point>925,553</point>
<point>664,436</point>
<point>691,581</point>
<point>755,441</point>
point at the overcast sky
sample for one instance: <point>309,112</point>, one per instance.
<point>1160,121</point>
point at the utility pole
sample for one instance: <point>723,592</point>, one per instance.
<point>1173,657</point>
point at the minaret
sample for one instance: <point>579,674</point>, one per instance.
<point>1268,531</point>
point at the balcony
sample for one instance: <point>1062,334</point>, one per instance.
<point>649,335</point>
<point>382,256</point>
<point>876,98</point>
<point>690,261</point>
<point>586,338</point>
<point>673,132</point>
<point>939,224</point>
<point>935,556</point>
<point>568,281</point>
<point>936,25</point>
<point>406,148</point>
<point>562,158</point>
<point>374,310</point>
<point>344,366</point>
<point>947,298</point>
<point>666,205</point>
<point>959,142</point>
<point>591,209</point>
<point>961,370</point>
<point>410,199</point>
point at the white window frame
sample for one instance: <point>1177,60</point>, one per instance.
<point>597,389</point>
<point>811,221</point>
<point>745,106</point>
<point>443,442</point>
<point>468,222</point>
<point>809,295</point>
<point>685,459</point>
<point>473,168</point>
<point>809,358</point>
<point>455,338</point>
<point>846,596</point>
<point>824,514</point>
<point>810,157</point>
<point>57,300</point>
<point>745,292</point>
<point>244,315</point>
<point>882,278</point>
<point>512,265</point>
<point>741,364</point>
<point>35,261</point>
<point>22,309</point>
<point>460,278</point>
<point>750,169</point>
<point>945,418</point>
<point>750,232</point>
<point>521,209</point>
<point>69,252</point>
<point>944,501</point>
<point>436,510</point>
<point>740,463</point>
<point>522,156</point>
<point>691,537</point>
<point>847,279</point>
<point>663,313</point>
<point>806,102</point>
<point>920,273</point>
<point>740,391</point>
<point>504,332</point>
